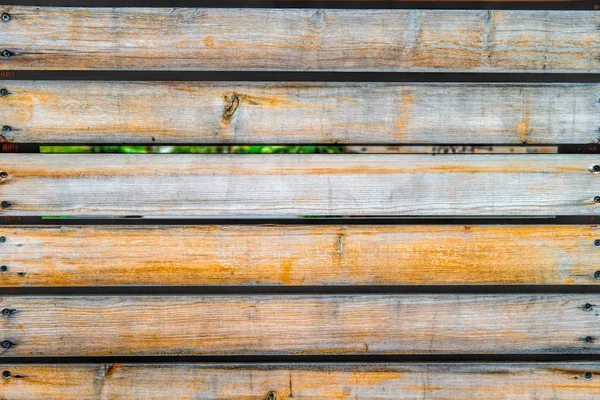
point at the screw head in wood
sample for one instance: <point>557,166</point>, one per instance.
<point>587,376</point>
<point>7,312</point>
<point>596,168</point>
<point>7,53</point>
<point>3,268</point>
<point>7,344</point>
<point>597,199</point>
<point>5,204</point>
<point>271,396</point>
<point>5,17</point>
<point>588,307</point>
<point>589,339</point>
<point>597,242</point>
<point>2,239</point>
<point>6,374</point>
<point>597,274</point>
<point>6,129</point>
<point>4,92</point>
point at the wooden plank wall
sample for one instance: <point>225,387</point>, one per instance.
<point>228,276</point>
<point>297,112</point>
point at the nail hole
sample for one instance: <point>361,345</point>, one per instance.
<point>6,374</point>
<point>588,307</point>
<point>587,376</point>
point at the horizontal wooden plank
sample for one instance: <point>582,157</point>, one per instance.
<point>263,112</point>
<point>42,38</point>
<point>298,185</point>
<point>299,325</point>
<point>299,255</point>
<point>456,381</point>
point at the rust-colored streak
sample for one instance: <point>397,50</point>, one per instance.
<point>404,116</point>
<point>294,255</point>
<point>524,129</point>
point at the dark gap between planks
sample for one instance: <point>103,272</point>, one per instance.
<point>323,360</point>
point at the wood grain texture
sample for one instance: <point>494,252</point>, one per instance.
<point>299,255</point>
<point>301,39</point>
<point>302,381</point>
<point>298,185</point>
<point>299,325</point>
<point>294,112</point>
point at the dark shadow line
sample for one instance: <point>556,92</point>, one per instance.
<point>366,290</point>
<point>304,76</point>
<point>311,221</point>
<point>306,359</point>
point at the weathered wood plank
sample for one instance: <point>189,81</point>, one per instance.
<point>263,112</point>
<point>300,39</point>
<point>298,185</point>
<point>299,255</point>
<point>299,324</point>
<point>306,381</point>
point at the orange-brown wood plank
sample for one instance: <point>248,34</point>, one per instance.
<point>389,324</point>
<point>290,185</point>
<point>298,255</point>
<point>299,112</point>
<point>454,381</point>
<point>299,39</point>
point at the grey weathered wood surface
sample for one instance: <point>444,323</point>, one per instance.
<point>54,256</point>
<point>299,325</point>
<point>295,112</point>
<point>301,39</point>
<point>298,185</point>
<point>455,381</point>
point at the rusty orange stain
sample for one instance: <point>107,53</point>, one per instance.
<point>209,41</point>
<point>405,106</point>
<point>523,129</point>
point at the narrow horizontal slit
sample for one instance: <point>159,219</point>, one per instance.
<point>242,359</point>
<point>295,290</point>
<point>303,76</point>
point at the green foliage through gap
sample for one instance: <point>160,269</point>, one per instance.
<point>195,149</point>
